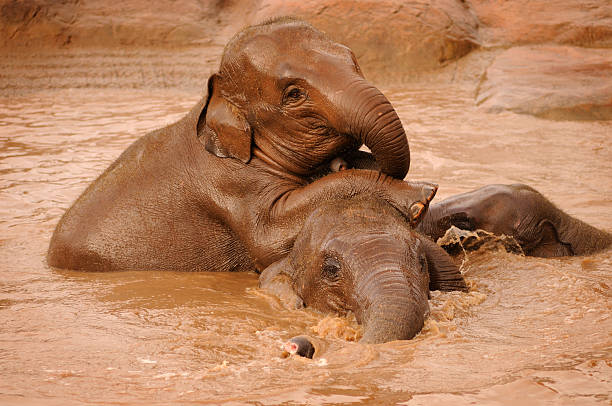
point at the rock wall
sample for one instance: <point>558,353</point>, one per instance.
<point>550,81</point>
<point>35,24</point>
<point>584,23</point>
<point>389,37</point>
<point>558,58</point>
<point>393,40</point>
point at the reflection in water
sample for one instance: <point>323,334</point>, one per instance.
<point>528,327</point>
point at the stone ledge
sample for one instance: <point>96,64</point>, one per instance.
<point>555,82</point>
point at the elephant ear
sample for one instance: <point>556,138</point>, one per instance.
<point>222,127</point>
<point>276,280</point>
<point>443,273</point>
<point>549,244</point>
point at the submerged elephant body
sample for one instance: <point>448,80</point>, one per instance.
<point>361,256</point>
<point>227,187</point>
<point>519,211</point>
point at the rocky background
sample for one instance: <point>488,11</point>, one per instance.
<point>549,59</point>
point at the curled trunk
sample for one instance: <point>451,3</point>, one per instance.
<point>376,124</point>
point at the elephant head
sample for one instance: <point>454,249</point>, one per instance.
<point>361,256</point>
<point>289,95</point>
<point>519,211</point>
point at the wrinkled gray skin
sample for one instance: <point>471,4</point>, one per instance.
<point>540,228</point>
<point>228,187</point>
<point>361,256</point>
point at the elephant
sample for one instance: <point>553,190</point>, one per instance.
<point>229,186</point>
<point>360,255</point>
<point>519,211</point>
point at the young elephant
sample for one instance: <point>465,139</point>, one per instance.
<point>360,255</point>
<point>540,228</point>
<point>518,210</point>
<point>227,187</point>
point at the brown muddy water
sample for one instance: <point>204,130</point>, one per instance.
<point>530,331</point>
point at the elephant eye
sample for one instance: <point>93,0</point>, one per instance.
<point>293,95</point>
<point>330,269</point>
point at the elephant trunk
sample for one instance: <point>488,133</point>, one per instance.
<point>394,317</point>
<point>392,300</point>
<point>374,122</point>
<point>583,238</point>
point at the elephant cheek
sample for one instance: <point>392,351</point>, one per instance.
<point>299,153</point>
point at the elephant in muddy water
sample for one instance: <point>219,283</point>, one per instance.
<point>228,187</point>
<point>361,256</point>
<point>519,211</point>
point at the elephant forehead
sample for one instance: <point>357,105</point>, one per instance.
<point>262,52</point>
<point>378,250</point>
<point>303,56</point>
<point>352,220</point>
<point>355,241</point>
<point>299,37</point>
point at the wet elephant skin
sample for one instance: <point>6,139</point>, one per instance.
<point>518,210</point>
<point>361,256</point>
<point>227,187</point>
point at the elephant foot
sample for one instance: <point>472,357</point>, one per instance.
<point>299,345</point>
